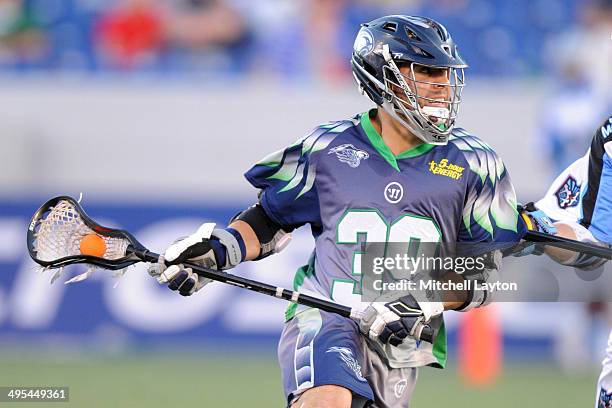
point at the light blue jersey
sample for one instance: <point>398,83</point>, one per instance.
<point>582,193</point>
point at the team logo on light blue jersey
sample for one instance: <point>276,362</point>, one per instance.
<point>346,354</point>
<point>568,194</point>
<point>349,154</point>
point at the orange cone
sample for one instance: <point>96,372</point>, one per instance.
<point>480,346</point>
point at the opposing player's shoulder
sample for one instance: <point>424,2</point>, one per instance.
<point>605,132</point>
<point>601,145</point>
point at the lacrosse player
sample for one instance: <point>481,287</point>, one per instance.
<point>580,203</point>
<point>399,172</point>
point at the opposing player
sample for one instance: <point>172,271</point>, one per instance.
<point>580,203</point>
<point>400,172</point>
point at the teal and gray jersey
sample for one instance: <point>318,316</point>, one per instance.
<point>348,185</point>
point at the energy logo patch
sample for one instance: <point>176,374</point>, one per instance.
<point>444,168</point>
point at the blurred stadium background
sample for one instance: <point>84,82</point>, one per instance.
<point>153,109</point>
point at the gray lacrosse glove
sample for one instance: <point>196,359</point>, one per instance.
<point>394,321</point>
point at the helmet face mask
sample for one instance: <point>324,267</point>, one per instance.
<point>388,67</point>
<point>431,119</point>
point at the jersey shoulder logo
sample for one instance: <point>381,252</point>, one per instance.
<point>444,168</point>
<point>349,154</point>
<point>346,354</point>
<point>568,194</point>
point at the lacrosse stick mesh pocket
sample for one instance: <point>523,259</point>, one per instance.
<point>59,234</point>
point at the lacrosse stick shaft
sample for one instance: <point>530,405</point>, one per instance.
<point>270,290</point>
<point>260,287</point>
<point>570,244</point>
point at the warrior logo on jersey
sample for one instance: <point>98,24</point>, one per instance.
<point>568,194</point>
<point>346,354</point>
<point>394,192</point>
<point>349,154</point>
<point>605,399</point>
<point>400,387</point>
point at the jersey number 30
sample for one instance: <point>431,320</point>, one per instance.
<point>373,228</point>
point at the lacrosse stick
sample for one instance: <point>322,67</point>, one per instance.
<point>61,234</point>
<point>569,244</point>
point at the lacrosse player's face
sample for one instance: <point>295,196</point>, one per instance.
<point>431,85</point>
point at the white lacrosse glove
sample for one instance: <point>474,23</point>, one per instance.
<point>208,247</point>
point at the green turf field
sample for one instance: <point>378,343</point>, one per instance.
<point>224,381</point>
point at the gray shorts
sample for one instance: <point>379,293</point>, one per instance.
<point>319,348</point>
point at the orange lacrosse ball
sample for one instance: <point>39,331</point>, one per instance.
<point>93,244</point>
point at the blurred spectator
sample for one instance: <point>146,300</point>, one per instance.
<point>596,49</point>
<point>176,33</point>
<point>580,62</point>
<point>202,24</point>
<point>324,22</point>
<point>208,35</point>
<point>307,39</point>
<point>21,39</point>
<point>568,118</point>
<point>131,34</point>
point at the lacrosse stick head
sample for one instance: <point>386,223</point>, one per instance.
<point>60,227</point>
